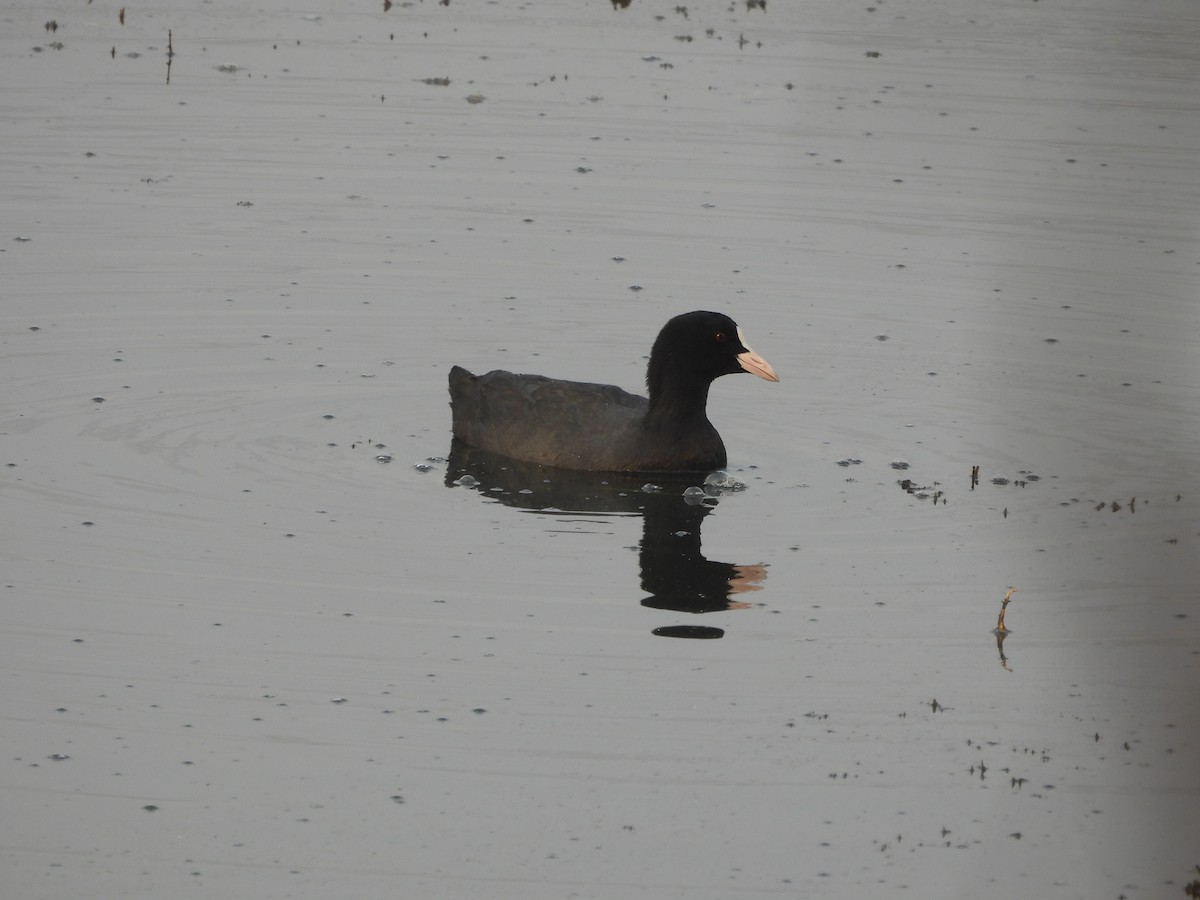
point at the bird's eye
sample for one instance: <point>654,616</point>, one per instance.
<point>720,336</point>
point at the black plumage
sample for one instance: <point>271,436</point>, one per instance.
<point>600,427</point>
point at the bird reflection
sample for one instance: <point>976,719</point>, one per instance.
<point>674,571</point>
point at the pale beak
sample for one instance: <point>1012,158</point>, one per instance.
<point>753,363</point>
<point>756,365</point>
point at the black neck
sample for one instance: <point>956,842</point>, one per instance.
<point>677,399</point>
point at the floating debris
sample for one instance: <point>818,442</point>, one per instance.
<point>923,492</point>
<point>1000,629</point>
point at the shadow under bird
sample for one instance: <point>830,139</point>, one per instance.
<point>602,428</point>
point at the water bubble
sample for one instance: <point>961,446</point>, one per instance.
<point>720,482</point>
<point>467,481</point>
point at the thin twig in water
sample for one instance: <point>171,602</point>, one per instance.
<point>1003,606</point>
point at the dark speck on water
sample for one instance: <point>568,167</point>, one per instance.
<point>695,632</point>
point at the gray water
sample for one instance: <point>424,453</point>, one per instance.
<point>247,655</point>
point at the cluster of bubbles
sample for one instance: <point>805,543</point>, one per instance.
<point>716,484</point>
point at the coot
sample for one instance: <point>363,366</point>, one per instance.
<point>601,428</point>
